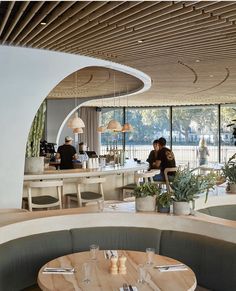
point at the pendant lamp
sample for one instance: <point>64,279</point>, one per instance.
<point>75,122</point>
<point>101,129</point>
<point>114,125</point>
<point>78,130</point>
<point>127,127</point>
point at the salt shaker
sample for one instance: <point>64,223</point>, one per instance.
<point>114,267</point>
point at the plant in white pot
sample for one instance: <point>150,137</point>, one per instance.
<point>229,171</point>
<point>33,162</point>
<point>186,187</point>
<point>145,196</point>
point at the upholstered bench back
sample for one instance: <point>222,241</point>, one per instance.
<point>222,211</point>
<point>213,261</point>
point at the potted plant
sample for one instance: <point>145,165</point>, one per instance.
<point>229,171</point>
<point>186,187</point>
<point>145,196</point>
<point>164,200</point>
<point>33,162</point>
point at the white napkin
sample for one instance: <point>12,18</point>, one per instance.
<point>110,253</point>
<point>66,271</point>
<point>134,288</point>
<point>171,268</point>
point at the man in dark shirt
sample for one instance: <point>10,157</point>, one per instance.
<point>165,159</point>
<point>67,153</point>
<point>153,156</point>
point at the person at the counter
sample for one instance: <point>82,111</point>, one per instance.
<point>165,159</point>
<point>66,153</point>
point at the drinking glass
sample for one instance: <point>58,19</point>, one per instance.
<point>150,252</point>
<point>94,251</point>
<point>86,271</point>
<point>141,274</point>
<point>100,205</point>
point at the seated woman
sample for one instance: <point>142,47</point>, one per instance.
<point>153,156</point>
<point>165,159</point>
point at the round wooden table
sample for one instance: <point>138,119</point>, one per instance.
<point>102,280</point>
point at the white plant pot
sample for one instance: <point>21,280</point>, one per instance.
<point>145,203</point>
<point>34,165</point>
<point>232,188</point>
<point>181,208</point>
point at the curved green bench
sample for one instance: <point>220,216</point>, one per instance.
<point>212,260</point>
<point>222,211</point>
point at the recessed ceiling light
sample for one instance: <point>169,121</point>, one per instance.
<point>197,61</point>
<point>211,76</point>
<point>43,23</point>
<point>140,41</point>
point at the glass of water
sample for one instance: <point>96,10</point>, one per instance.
<point>94,251</point>
<point>150,252</point>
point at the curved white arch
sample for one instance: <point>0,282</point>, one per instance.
<point>27,77</point>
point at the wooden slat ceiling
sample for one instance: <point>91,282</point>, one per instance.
<point>187,47</point>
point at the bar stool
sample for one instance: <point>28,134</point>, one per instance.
<point>44,201</point>
<point>87,196</point>
<point>139,178</point>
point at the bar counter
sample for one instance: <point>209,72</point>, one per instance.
<point>80,173</point>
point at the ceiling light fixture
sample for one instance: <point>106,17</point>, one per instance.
<point>127,127</point>
<point>197,61</point>
<point>43,23</point>
<point>140,41</point>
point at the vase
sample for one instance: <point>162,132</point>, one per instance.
<point>181,208</point>
<point>232,188</point>
<point>145,203</point>
<point>34,165</point>
<point>162,209</point>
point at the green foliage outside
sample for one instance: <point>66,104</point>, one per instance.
<point>36,132</point>
<point>187,185</point>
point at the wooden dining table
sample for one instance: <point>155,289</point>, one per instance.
<point>102,279</point>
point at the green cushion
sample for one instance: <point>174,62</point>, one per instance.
<point>129,238</point>
<point>213,261</point>
<point>44,199</point>
<point>86,195</point>
<point>21,259</point>
<point>222,211</point>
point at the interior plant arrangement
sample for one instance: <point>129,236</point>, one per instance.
<point>34,163</point>
<point>187,186</point>
<point>164,200</point>
<point>229,172</point>
<point>145,196</point>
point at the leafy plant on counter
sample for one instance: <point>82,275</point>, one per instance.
<point>164,199</point>
<point>229,169</point>
<point>187,185</point>
<point>36,132</point>
<point>146,189</point>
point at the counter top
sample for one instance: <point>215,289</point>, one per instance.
<point>74,173</point>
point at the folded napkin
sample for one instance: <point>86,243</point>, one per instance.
<point>58,270</point>
<point>110,253</point>
<point>171,268</point>
<point>133,287</point>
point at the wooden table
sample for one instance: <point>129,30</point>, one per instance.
<point>102,280</point>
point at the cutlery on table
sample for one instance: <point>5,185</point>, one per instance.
<point>126,287</point>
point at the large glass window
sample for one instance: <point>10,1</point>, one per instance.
<point>189,126</point>
<point>227,131</point>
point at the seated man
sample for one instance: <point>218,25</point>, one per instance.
<point>153,156</point>
<point>165,159</point>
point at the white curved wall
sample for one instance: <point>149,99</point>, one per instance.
<point>26,78</point>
